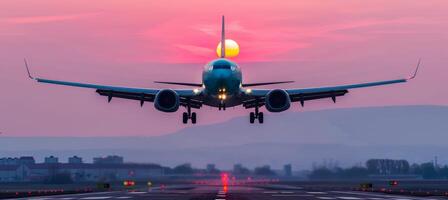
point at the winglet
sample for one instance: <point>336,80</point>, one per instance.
<point>416,70</point>
<point>223,39</point>
<point>28,70</point>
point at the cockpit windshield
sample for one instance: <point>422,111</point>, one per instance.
<point>222,64</point>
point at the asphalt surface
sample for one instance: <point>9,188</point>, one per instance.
<point>203,192</point>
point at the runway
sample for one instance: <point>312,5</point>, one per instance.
<point>196,192</point>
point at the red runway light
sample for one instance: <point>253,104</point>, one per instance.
<point>393,183</point>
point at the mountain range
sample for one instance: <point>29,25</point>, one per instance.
<point>348,136</point>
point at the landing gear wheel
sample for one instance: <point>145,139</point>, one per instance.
<point>185,117</point>
<point>222,106</point>
<point>252,117</point>
<point>260,117</point>
<point>193,118</point>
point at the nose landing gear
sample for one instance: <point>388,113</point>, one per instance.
<point>222,106</point>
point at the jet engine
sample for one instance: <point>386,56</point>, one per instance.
<point>277,100</point>
<point>167,101</point>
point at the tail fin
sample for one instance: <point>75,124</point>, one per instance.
<point>223,39</point>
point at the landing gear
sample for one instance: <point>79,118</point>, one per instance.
<point>185,117</point>
<point>189,115</point>
<point>260,117</point>
<point>256,115</point>
<point>222,106</point>
<point>193,118</point>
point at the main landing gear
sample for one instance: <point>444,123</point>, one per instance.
<point>189,115</point>
<point>256,115</point>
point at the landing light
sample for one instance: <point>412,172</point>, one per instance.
<point>196,91</point>
<point>248,91</point>
<point>222,96</point>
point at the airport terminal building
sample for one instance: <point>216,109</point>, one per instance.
<point>110,168</point>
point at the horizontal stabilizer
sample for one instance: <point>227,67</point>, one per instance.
<point>265,83</point>
<point>177,83</point>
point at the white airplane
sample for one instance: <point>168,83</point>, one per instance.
<point>222,87</point>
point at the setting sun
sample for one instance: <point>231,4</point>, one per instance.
<point>232,49</point>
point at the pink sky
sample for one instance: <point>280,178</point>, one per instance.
<point>133,43</point>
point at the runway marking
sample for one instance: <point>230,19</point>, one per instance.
<point>137,192</point>
<point>372,195</point>
<point>270,192</point>
<point>348,198</point>
<point>87,198</point>
<point>221,195</point>
<point>316,192</point>
<point>286,192</point>
<point>292,195</point>
<point>70,196</point>
<point>376,198</point>
<point>67,198</point>
<point>326,197</point>
<point>124,197</point>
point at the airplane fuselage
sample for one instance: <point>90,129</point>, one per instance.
<point>222,80</point>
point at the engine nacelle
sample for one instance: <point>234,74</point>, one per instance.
<point>277,100</point>
<point>167,101</point>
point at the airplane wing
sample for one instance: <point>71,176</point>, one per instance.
<point>256,96</point>
<point>140,94</point>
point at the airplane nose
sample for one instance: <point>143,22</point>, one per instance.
<point>223,74</point>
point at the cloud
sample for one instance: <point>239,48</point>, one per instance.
<point>46,19</point>
<point>198,50</point>
<point>215,29</point>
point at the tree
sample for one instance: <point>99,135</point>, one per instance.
<point>264,170</point>
<point>428,170</point>
<point>355,172</point>
<point>387,166</point>
<point>443,172</point>
<point>183,169</point>
<point>322,173</point>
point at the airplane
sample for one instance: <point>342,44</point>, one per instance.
<point>222,87</point>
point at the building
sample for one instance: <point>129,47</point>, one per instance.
<point>25,160</point>
<point>82,172</point>
<point>14,173</point>
<point>108,160</point>
<point>287,170</point>
<point>51,160</point>
<point>211,169</point>
<point>75,160</point>
<point>8,161</point>
<point>110,168</point>
<point>240,169</point>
